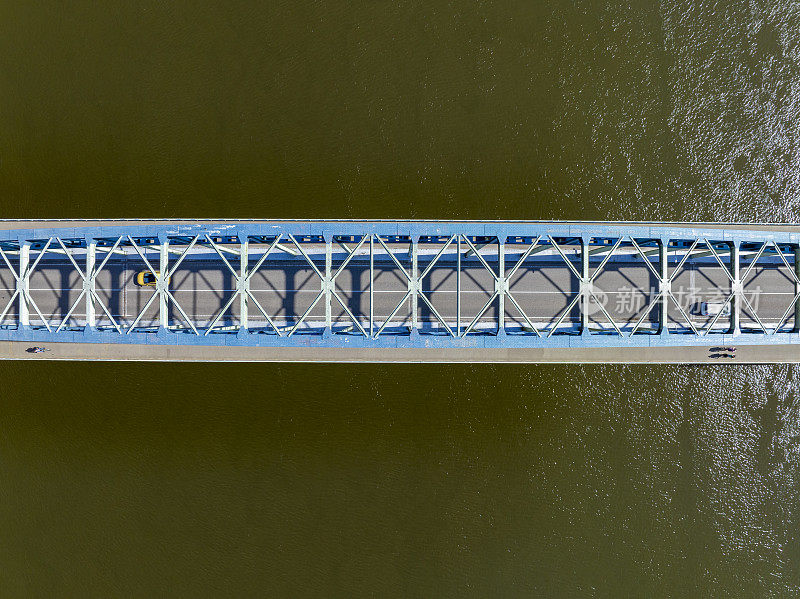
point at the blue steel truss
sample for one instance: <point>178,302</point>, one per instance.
<point>412,249</point>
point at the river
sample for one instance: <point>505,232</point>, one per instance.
<point>252,480</point>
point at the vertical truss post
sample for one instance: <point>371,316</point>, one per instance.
<point>89,283</point>
<point>243,283</point>
<point>458,286</point>
<point>796,327</point>
<point>243,277</point>
<point>585,286</point>
<point>163,306</point>
<point>23,283</point>
<point>664,284</point>
<point>501,298</point>
<point>414,283</point>
<point>738,289</point>
<point>371,283</point>
<point>327,283</point>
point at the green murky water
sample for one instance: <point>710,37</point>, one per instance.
<point>422,481</point>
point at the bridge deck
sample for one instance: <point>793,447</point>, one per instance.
<point>399,284</point>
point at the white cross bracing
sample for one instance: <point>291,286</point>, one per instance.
<point>739,287</point>
<point>459,248</point>
<point>88,278</point>
<point>22,277</point>
<point>163,277</point>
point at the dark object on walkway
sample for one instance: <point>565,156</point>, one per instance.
<point>715,356</point>
<point>36,350</point>
<point>722,349</point>
<point>727,356</point>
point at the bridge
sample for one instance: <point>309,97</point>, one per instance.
<point>398,284</point>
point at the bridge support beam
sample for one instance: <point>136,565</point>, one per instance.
<point>327,284</point>
<point>501,299</point>
<point>371,284</point>
<point>23,284</point>
<point>796,327</point>
<point>663,261</point>
<point>585,286</point>
<point>244,259</point>
<point>414,284</point>
<point>458,285</point>
<point>163,265</point>
<point>736,308</point>
<point>91,257</point>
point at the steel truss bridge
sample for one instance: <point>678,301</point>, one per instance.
<point>408,284</point>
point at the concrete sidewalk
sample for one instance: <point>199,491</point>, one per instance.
<point>754,354</point>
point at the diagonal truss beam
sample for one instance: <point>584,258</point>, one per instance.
<point>507,286</point>
<point>89,277</point>
<point>328,284</point>
<point>243,277</point>
<point>424,297</point>
<point>407,294</point>
<point>792,273</point>
<point>734,284</point>
<point>498,288</point>
<point>667,285</point>
<point>332,284</point>
<point>22,277</point>
<point>565,258</point>
<point>502,286</point>
<point>163,276</point>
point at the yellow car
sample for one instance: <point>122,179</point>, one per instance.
<point>146,279</point>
